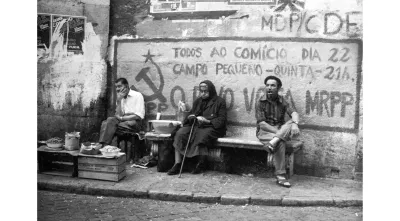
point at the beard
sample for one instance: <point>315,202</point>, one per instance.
<point>272,95</point>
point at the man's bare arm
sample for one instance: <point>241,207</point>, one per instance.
<point>295,128</point>
<point>118,111</point>
<point>295,117</point>
<point>129,117</point>
<point>266,127</point>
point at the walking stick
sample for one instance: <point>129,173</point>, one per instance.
<point>184,155</point>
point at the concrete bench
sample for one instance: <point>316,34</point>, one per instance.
<point>230,142</point>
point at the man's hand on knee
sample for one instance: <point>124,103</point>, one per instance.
<point>118,117</point>
<point>295,131</point>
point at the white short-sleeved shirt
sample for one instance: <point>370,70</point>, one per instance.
<point>133,104</point>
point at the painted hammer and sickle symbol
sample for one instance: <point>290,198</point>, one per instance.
<point>157,92</point>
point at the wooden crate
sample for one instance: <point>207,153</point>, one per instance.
<point>60,163</point>
<point>101,175</point>
<point>102,168</point>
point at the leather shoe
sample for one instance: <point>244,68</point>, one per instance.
<point>175,169</point>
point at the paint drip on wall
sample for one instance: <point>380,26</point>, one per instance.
<point>67,77</point>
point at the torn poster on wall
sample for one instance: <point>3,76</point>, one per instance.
<point>73,30</point>
<point>43,30</point>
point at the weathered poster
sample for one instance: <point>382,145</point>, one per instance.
<point>76,33</point>
<point>43,30</point>
<point>72,29</point>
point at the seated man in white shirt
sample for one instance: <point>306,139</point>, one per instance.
<point>128,115</point>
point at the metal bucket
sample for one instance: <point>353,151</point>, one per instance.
<point>72,141</point>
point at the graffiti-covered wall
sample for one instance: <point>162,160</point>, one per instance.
<point>71,67</point>
<point>310,70</point>
<point>314,46</point>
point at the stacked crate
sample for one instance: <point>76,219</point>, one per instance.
<point>102,168</point>
<point>57,162</point>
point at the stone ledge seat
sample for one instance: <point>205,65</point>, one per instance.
<point>231,141</point>
<point>238,142</point>
<point>292,147</point>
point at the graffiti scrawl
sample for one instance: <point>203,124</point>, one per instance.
<point>157,92</point>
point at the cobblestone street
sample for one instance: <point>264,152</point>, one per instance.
<point>66,206</point>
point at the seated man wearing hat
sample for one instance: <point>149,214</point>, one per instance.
<point>272,130</point>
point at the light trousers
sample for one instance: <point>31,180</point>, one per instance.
<point>284,133</point>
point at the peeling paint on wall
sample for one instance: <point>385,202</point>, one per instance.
<point>58,49</point>
<point>69,77</point>
<point>72,85</point>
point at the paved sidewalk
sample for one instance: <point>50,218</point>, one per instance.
<point>214,187</point>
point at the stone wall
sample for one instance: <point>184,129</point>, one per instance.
<point>71,87</point>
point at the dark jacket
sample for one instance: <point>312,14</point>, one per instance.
<point>215,111</point>
<point>203,136</point>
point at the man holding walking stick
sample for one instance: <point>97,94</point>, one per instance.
<point>204,125</point>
